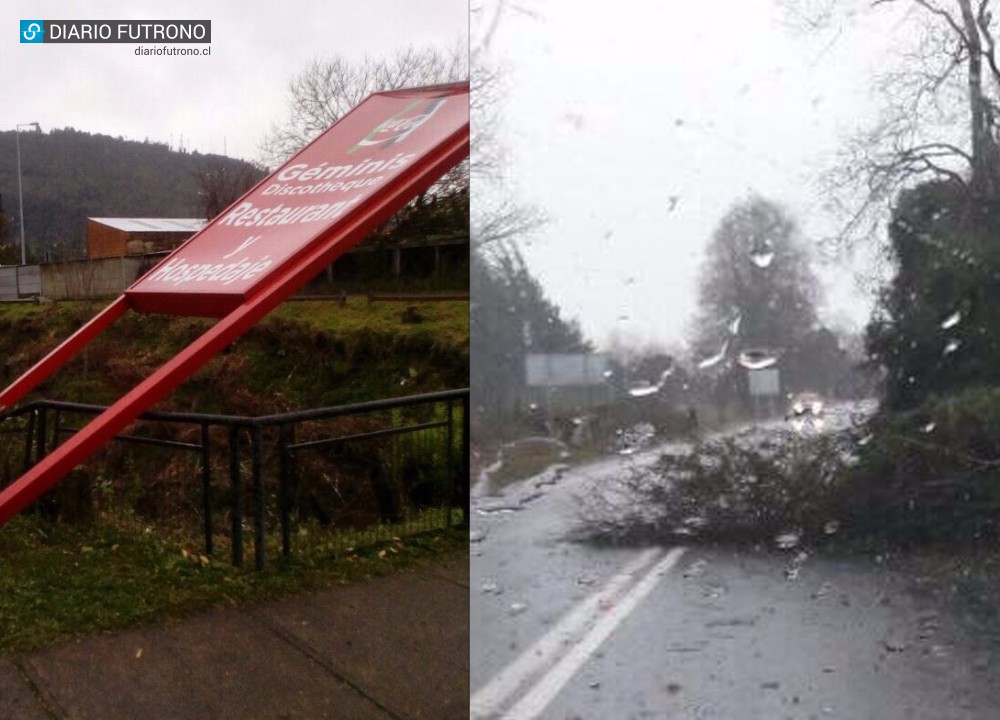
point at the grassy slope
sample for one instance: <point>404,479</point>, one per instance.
<point>305,354</point>
<point>60,581</point>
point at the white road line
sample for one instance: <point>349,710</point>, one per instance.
<point>535,702</point>
<point>487,701</point>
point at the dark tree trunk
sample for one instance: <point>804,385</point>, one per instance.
<point>984,181</point>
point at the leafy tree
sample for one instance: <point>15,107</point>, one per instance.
<point>757,300</point>
<point>9,254</point>
<point>757,289</point>
<point>935,330</point>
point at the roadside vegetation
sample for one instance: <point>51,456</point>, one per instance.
<point>922,478</point>
<point>64,580</point>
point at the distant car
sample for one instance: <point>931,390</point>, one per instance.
<point>805,406</point>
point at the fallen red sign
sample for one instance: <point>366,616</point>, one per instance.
<point>263,248</point>
<point>334,179</point>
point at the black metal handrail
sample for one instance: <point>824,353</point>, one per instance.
<point>39,434</point>
<point>277,419</point>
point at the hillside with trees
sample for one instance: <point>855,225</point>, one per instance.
<point>69,175</point>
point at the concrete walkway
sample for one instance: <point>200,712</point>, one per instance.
<point>393,647</point>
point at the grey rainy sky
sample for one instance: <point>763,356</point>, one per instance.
<point>229,98</point>
<point>612,116</point>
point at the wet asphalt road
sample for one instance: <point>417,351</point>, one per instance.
<point>567,631</point>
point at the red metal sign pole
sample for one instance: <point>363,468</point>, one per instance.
<point>269,291</point>
<point>58,357</point>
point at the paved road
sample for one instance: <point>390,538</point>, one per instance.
<point>567,631</point>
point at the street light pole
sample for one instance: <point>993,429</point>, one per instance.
<point>20,196</point>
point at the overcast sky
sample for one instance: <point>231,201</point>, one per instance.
<point>229,98</point>
<point>612,116</point>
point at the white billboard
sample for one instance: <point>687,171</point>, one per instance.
<point>764,383</point>
<point>559,370</point>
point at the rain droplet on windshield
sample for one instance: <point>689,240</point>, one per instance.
<point>695,521</point>
<point>929,427</point>
<point>756,359</point>
<point>787,540</point>
<point>831,527</point>
<point>516,608</point>
<point>951,321</point>
<point>734,326</point>
<point>952,346</point>
<point>647,390</point>
<point>643,391</point>
<point>715,359</point>
<point>762,255</point>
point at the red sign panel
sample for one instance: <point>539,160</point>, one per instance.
<point>321,190</point>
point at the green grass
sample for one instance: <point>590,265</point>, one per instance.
<point>305,354</point>
<point>447,322</point>
<point>59,582</point>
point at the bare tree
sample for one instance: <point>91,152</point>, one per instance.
<point>220,184</point>
<point>947,69</point>
<point>497,219</point>
<point>327,88</point>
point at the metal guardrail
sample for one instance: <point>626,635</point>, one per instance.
<point>371,470</point>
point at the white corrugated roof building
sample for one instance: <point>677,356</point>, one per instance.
<point>117,237</point>
<point>153,224</point>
